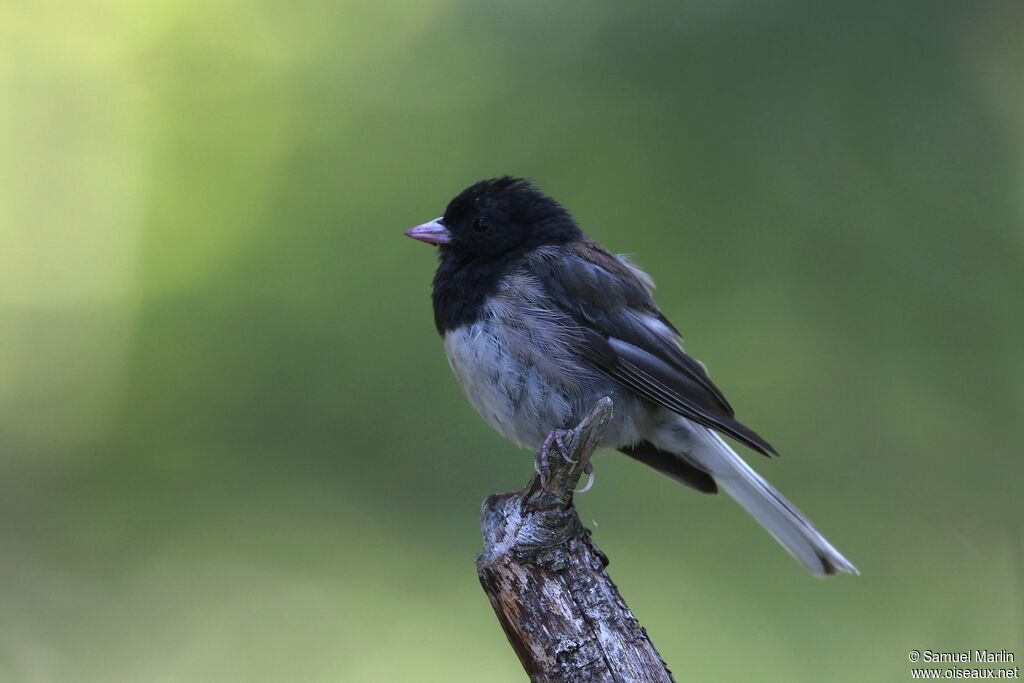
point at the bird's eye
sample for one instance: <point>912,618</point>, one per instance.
<point>481,225</point>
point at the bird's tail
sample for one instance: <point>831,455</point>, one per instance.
<point>769,507</point>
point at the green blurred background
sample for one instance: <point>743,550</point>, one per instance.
<point>230,445</point>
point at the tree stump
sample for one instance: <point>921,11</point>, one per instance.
<point>546,578</point>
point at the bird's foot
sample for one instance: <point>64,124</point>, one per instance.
<point>554,440</point>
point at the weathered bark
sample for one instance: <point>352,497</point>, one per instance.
<point>546,578</point>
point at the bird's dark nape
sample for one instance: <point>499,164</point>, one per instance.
<point>672,466</point>
<point>518,205</point>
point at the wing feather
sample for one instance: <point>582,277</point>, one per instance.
<point>623,333</point>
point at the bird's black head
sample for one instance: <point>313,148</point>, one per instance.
<point>483,233</point>
<point>498,218</point>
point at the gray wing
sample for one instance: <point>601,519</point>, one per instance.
<point>622,332</point>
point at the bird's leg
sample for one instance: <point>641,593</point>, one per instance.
<point>554,440</point>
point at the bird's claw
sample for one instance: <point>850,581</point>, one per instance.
<point>554,440</point>
<point>589,469</point>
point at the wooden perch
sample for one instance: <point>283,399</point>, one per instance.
<point>546,579</point>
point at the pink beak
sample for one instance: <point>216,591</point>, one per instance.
<point>433,232</point>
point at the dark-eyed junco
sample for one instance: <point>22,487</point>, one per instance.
<point>539,322</point>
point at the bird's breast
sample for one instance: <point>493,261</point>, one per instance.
<point>514,368</point>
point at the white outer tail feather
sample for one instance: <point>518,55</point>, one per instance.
<point>769,507</point>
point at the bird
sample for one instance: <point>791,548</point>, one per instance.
<point>540,321</point>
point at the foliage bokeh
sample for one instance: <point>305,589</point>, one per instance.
<point>231,448</point>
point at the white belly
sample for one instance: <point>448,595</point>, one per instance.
<point>505,386</point>
<point>525,383</point>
